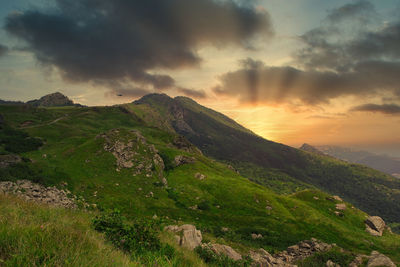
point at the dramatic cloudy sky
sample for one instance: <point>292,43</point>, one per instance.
<point>316,71</point>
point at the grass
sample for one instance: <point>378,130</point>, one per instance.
<point>226,199</point>
<point>35,235</point>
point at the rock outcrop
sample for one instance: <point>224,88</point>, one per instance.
<point>375,225</point>
<point>132,151</point>
<point>302,250</point>
<point>223,250</point>
<point>261,258</point>
<point>187,235</point>
<point>181,160</point>
<point>35,192</point>
<point>378,259</point>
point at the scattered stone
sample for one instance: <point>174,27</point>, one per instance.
<point>330,263</point>
<point>302,250</point>
<point>188,236</point>
<point>38,193</point>
<point>261,258</point>
<point>225,229</point>
<point>268,207</point>
<point>232,169</point>
<point>224,250</point>
<point>256,236</point>
<point>340,214</point>
<point>378,259</point>
<point>150,194</point>
<point>200,176</point>
<point>315,197</point>
<point>375,225</point>
<point>337,198</point>
<point>195,207</point>
<point>181,160</point>
<point>341,206</point>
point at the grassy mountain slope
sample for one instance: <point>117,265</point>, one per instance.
<point>275,165</point>
<point>34,235</point>
<point>74,152</point>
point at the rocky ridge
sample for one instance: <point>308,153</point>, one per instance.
<point>38,193</point>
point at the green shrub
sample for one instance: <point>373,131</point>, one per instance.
<point>16,141</point>
<point>204,205</point>
<point>168,161</point>
<point>142,234</point>
<point>19,171</point>
<point>320,259</point>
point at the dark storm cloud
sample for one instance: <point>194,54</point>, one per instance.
<point>3,50</point>
<point>362,10</point>
<point>391,109</point>
<point>345,56</point>
<point>192,93</point>
<point>260,83</point>
<point>89,40</point>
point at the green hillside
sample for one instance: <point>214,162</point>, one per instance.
<point>279,167</point>
<point>79,149</point>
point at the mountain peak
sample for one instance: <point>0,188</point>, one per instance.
<point>56,99</point>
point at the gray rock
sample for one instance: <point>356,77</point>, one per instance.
<point>200,176</point>
<point>223,250</point>
<point>341,206</point>
<point>181,160</point>
<point>330,263</point>
<point>378,259</point>
<point>188,236</point>
<point>375,225</point>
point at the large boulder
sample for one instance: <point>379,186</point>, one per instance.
<point>223,250</point>
<point>378,259</point>
<point>375,225</point>
<point>187,235</point>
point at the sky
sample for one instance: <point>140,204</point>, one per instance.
<point>305,71</point>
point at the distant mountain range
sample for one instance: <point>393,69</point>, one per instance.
<point>384,163</point>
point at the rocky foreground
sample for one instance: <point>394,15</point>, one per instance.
<point>189,237</point>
